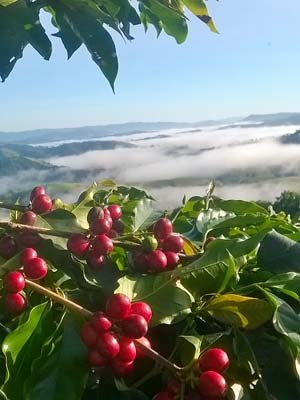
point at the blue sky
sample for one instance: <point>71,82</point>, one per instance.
<point>252,66</point>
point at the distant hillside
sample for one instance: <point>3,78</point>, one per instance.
<point>292,138</point>
<point>285,118</point>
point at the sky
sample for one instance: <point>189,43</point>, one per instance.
<point>252,66</point>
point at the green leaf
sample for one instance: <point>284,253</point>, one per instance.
<point>241,311</point>
<point>240,207</point>
<point>207,219</point>
<point>288,284</point>
<point>139,214</point>
<point>62,374</point>
<point>198,7</point>
<point>189,348</point>
<point>279,254</point>
<point>22,346</point>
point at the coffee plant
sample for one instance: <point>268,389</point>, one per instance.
<point>110,298</point>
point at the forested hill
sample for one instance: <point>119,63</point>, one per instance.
<point>292,138</point>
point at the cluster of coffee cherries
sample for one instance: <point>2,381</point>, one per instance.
<point>104,225</point>
<point>34,268</point>
<point>110,336</point>
<point>40,203</point>
<point>161,250</point>
<point>209,383</point>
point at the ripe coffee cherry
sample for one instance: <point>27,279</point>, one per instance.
<point>8,246</point>
<point>88,334</point>
<point>14,282</point>
<point>94,214</point>
<point>14,303</point>
<point>42,204</point>
<point>106,213</point>
<point>36,268</point>
<point>121,368</point>
<point>118,306</point>
<point>112,234</point>
<point>134,326</point>
<point>118,225</point>
<point>100,323</point>
<point>28,254</point>
<point>103,245</point>
<point>172,259</point>
<point>143,340</point>
<point>108,345</point>
<point>162,228</point>
<point>28,218</point>
<point>95,260</point>
<point>37,191</point>
<point>142,309</point>
<point>211,384</point>
<point>173,386</point>
<point>173,243</point>
<point>141,262</point>
<point>115,211</point>
<point>29,239</point>
<point>101,226</point>
<point>78,244</point>
<point>213,360</point>
<point>163,396</point>
<point>157,261</point>
<point>95,359</point>
<point>127,350</point>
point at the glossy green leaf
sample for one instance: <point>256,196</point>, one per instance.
<point>199,8</point>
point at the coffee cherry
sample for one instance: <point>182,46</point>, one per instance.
<point>173,386</point>
<point>95,359</point>
<point>95,260</point>
<point>29,239</point>
<point>8,246</point>
<point>115,211</point>
<point>144,341</point>
<point>112,234</point>
<point>108,345</point>
<point>157,261</point>
<point>41,204</point>
<point>211,384</point>
<point>78,244</point>
<point>88,334</point>
<point>150,243</point>
<point>142,309</point>
<point>213,360</point>
<point>134,326</point>
<point>127,350</point>
<point>101,226</point>
<point>173,243</point>
<point>163,396</point>
<point>37,191</point>
<point>103,245</point>
<point>118,225</point>
<point>172,259</point>
<point>141,262</point>
<point>36,268</point>
<point>162,228</point>
<point>94,214</point>
<point>28,218</point>
<point>100,323</point>
<point>14,282</point>
<point>118,306</point>
<point>121,368</point>
<point>28,254</point>
<point>106,213</point>
<point>14,303</point>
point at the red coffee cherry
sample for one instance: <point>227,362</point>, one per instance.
<point>36,268</point>
<point>141,262</point>
<point>101,226</point>
<point>127,351</point>
<point>214,359</point>
<point>95,359</point>
<point>95,260</point>
<point>14,303</point>
<point>106,213</point>
<point>103,245</point>
<point>134,326</point>
<point>78,244</point>
<point>146,342</point>
<point>14,282</point>
<point>118,306</point>
<point>37,191</point>
<point>27,255</point>
<point>173,386</point>
<point>115,211</point>
<point>162,228</point>
<point>172,259</point>
<point>142,309</point>
<point>118,225</point>
<point>173,243</point>
<point>29,239</point>
<point>8,246</point>
<point>94,214</point>
<point>211,384</point>
<point>28,218</point>
<point>157,261</point>
<point>121,368</point>
<point>100,323</point>
<point>88,334</point>
<point>41,204</point>
<point>108,345</point>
